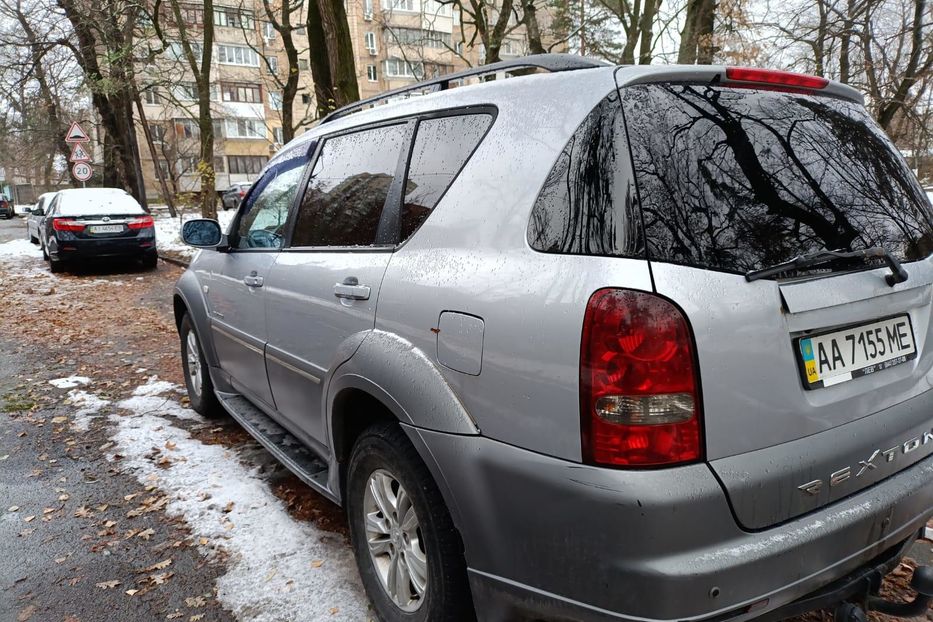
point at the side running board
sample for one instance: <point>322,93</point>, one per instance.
<point>287,449</point>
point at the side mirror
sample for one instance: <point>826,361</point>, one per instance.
<point>202,233</point>
<point>37,211</point>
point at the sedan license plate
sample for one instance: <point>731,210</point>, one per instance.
<point>856,351</point>
<point>106,228</point>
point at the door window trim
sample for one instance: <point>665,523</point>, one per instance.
<point>398,183</point>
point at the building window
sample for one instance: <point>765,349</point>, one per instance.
<point>419,37</point>
<point>218,164</point>
<point>371,73</point>
<point>268,31</point>
<point>303,64</point>
<point>399,68</point>
<point>176,51</point>
<point>151,95</point>
<point>246,165</point>
<point>218,128</point>
<point>158,133</point>
<point>187,165</point>
<point>241,92</point>
<point>237,55</point>
<point>305,99</point>
<point>369,40</point>
<point>233,18</point>
<point>459,48</point>
<point>275,100</point>
<point>278,135</point>
<point>185,91</point>
<point>186,128</point>
<point>367,10</point>
<point>164,168</point>
<point>244,128</point>
<point>404,5</point>
<point>272,62</point>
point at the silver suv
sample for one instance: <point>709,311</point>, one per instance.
<point>590,343</point>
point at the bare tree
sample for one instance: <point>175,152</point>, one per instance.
<point>331,55</point>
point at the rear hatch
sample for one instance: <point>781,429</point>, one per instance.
<point>815,381</point>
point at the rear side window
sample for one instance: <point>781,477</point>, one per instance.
<point>343,203</point>
<point>588,203</point>
<point>739,179</point>
<point>442,146</point>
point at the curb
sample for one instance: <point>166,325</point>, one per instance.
<point>174,260</point>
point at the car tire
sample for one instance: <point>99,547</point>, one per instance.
<point>56,266</point>
<point>197,376</point>
<point>45,254</point>
<point>150,262</point>
<point>33,240</point>
<point>384,459</point>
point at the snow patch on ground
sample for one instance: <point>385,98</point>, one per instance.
<point>70,382</point>
<point>168,231</point>
<point>154,386</point>
<point>20,249</point>
<point>274,565</point>
<point>88,407</point>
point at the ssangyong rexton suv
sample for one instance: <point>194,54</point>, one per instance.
<point>602,343</point>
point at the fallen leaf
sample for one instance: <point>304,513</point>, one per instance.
<point>102,508</point>
<point>132,592</point>
<point>317,563</point>
<point>82,512</point>
<point>60,560</point>
<point>271,574</point>
<point>146,533</point>
<point>4,457</point>
<point>48,510</point>
<point>59,419</point>
<point>195,618</point>
<point>174,616</point>
<point>106,585</point>
<point>129,497</point>
<point>195,601</point>
<point>162,565</point>
<point>159,579</point>
<point>334,610</point>
<point>228,508</point>
<point>13,508</point>
<point>63,497</point>
<point>26,613</point>
<point>170,445</point>
<point>29,519</point>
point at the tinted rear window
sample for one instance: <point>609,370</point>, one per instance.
<point>738,179</point>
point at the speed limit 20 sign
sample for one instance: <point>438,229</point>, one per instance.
<point>82,171</point>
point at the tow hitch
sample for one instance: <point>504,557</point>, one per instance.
<point>921,582</point>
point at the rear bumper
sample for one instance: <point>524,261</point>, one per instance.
<point>66,250</point>
<point>547,539</point>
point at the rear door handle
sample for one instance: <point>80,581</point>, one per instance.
<point>351,289</point>
<point>252,280</point>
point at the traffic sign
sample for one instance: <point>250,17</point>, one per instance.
<point>76,134</point>
<point>79,154</point>
<point>82,171</point>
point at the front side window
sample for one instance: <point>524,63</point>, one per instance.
<point>262,221</point>
<point>739,179</point>
<point>442,146</point>
<point>343,203</point>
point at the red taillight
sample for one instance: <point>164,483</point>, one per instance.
<point>775,78</point>
<point>142,222</point>
<point>66,224</point>
<point>639,397</point>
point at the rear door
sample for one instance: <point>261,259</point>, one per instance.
<point>237,289</point>
<point>815,384</point>
<point>324,287</point>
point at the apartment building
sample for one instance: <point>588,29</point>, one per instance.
<point>396,42</point>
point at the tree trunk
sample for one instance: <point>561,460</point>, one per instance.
<point>166,195</point>
<point>530,18</point>
<point>331,55</point>
<point>696,38</point>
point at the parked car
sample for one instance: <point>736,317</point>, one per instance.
<point>232,196</point>
<point>36,217</point>
<point>604,343</point>
<point>84,224</point>
<point>6,208</point>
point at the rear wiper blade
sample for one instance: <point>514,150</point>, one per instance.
<point>810,260</point>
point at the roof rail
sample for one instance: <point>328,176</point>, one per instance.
<point>549,62</point>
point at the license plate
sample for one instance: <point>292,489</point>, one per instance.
<point>106,228</point>
<point>856,351</point>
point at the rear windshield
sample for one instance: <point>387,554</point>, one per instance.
<point>98,202</point>
<point>737,179</point>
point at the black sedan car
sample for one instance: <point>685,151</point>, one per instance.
<point>90,223</point>
<point>6,208</point>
